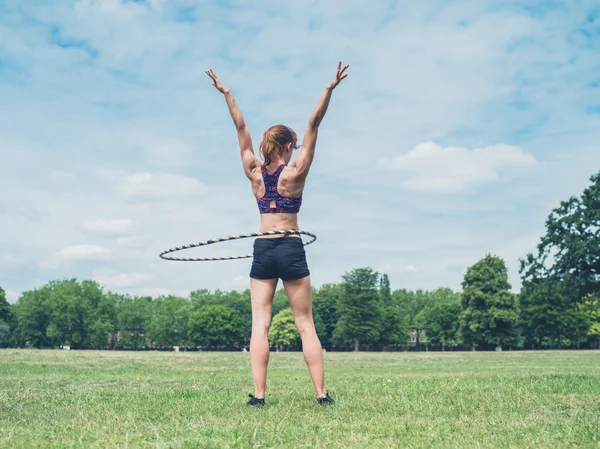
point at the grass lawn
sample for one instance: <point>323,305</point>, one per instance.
<point>196,400</point>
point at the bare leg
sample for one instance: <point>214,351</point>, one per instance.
<point>261,293</point>
<point>300,296</point>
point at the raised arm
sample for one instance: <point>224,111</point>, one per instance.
<point>307,152</point>
<point>249,160</point>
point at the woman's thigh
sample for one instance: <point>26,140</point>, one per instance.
<point>299,293</point>
<point>261,294</point>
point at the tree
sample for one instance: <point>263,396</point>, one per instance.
<point>103,324</point>
<point>325,311</point>
<point>490,311</point>
<point>168,321</point>
<point>236,300</point>
<point>549,317</point>
<point>32,317</point>
<point>384,289</point>
<point>71,305</point>
<point>5,320</point>
<point>570,250</point>
<point>4,307</point>
<point>132,318</point>
<point>358,308</point>
<point>215,326</point>
<point>590,308</point>
<point>283,330</point>
<point>443,323</point>
<point>564,271</point>
<point>393,329</point>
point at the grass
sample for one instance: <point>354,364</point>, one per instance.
<point>64,399</point>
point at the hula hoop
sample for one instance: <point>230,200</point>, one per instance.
<point>225,239</point>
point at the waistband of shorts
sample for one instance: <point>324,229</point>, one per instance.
<point>278,240</point>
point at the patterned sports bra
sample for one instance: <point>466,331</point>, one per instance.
<point>283,204</point>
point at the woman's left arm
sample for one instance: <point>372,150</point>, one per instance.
<point>249,160</point>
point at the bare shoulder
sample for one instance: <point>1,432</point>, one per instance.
<point>291,174</point>
<point>291,181</point>
<point>291,171</point>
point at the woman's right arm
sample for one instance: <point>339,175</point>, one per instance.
<point>307,152</point>
<point>249,160</point>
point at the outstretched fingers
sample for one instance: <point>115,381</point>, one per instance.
<point>340,75</point>
<point>212,75</point>
<point>342,70</point>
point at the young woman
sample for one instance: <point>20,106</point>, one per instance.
<point>278,188</point>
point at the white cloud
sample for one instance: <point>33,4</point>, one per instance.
<point>108,226</point>
<point>410,269</point>
<point>132,241</point>
<point>434,168</point>
<point>11,296</point>
<point>122,280</point>
<point>83,252</point>
<point>158,185</point>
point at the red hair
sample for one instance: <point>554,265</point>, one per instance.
<point>274,139</point>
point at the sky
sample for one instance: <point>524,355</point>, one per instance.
<point>460,126</point>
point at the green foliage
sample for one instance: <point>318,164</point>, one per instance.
<point>32,317</point>
<point>549,317</point>
<point>214,326</point>
<point>385,291</point>
<point>564,272</point>
<point>283,330</point>
<point>168,321</point>
<point>70,310</point>
<point>490,312</point>
<point>569,252</point>
<point>393,330</point>
<point>358,308</point>
<point>412,303</point>
<point>325,301</point>
<point>5,334</point>
<point>443,322</point>
<point>132,316</point>
<point>240,302</point>
<point>102,329</point>
<point>591,309</point>
<point>5,321</point>
<point>5,314</point>
<point>418,309</point>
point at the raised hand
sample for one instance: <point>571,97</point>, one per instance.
<point>339,76</point>
<point>217,82</point>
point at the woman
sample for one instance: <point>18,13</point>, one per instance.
<point>278,188</point>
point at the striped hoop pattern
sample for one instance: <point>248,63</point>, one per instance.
<point>225,239</point>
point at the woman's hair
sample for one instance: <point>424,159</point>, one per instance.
<point>274,139</point>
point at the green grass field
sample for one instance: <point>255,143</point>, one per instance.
<point>196,400</point>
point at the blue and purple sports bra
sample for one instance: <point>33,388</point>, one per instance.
<point>283,204</point>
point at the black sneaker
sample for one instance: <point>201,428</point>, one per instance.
<point>255,402</point>
<point>326,400</point>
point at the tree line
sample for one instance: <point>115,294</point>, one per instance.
<point>558,306</point>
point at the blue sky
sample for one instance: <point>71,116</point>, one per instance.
<point>459,128</point>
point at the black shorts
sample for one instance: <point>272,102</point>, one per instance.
<point>283,258</point>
